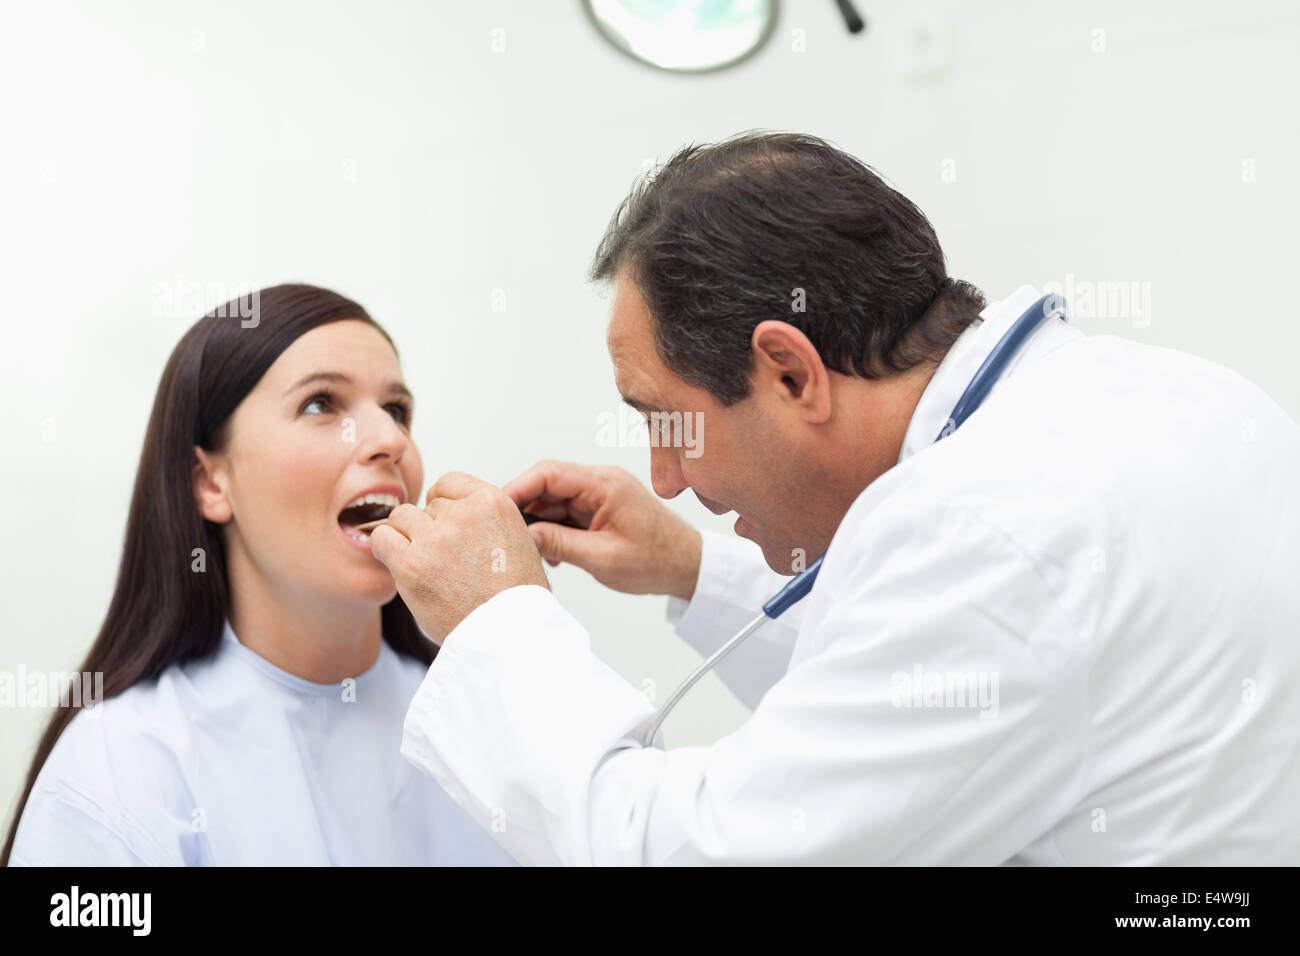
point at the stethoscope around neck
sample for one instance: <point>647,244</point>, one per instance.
<point>976,391</point>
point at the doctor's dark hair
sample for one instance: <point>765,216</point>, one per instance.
<point>760,226</point>
<point>163,612</point>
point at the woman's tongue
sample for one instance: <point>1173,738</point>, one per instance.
<point>360,514</point>
<point>349,518</point>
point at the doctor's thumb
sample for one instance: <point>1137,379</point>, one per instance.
<point>549,540</point>
<point>558,543</point>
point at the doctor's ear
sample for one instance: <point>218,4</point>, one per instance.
<point>785,358</point>
<point>210,487</point>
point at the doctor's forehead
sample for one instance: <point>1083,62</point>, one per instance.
<point>630,334</point>
<point>630,340</point>
<point>629,317</point>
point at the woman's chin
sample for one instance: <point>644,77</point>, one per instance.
<point>369,582</point>
<point>365,578</point>
<point>378,589</point>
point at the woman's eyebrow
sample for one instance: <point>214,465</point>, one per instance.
<point>395,388</point>
<point>318,377</point>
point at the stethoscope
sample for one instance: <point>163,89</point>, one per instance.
<point>976,391</point>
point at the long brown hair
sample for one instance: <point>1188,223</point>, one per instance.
<point>162,612</point>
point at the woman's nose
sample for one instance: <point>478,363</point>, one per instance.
<point>381,436</point>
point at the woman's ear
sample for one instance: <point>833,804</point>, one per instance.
<point>210,487</point>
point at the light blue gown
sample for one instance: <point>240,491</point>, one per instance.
<point>232,761</point>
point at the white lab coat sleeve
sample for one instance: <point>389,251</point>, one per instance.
<point>733,585</point>
<point>514,716</point>
<point>860,754</point>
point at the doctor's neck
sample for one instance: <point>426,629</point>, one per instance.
<point>863,436</point>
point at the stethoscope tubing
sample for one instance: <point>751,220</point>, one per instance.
<point>978,389</point>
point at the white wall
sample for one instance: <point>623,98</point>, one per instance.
<point>385,150</point>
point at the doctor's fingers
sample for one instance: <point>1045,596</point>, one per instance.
<point>406,519</point>
<point>388,546</point>
<point>457,484</point>
<point>592,551</point>
<point>584,488</point>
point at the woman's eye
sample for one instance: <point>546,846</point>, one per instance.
<point>321,402</point>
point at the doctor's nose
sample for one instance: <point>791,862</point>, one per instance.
<point>666,472</point>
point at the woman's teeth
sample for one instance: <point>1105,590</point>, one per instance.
<point>360,537</point>
<point>365,509</point>
<point>391,500</point>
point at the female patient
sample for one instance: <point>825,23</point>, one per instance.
<point>257,663</point>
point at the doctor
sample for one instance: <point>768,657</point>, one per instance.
<point>1068,633</point>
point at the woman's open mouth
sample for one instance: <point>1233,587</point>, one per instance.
<point>371,507</point>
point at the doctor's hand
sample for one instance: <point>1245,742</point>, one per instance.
<point>629,540</point>
<point>466,546</point>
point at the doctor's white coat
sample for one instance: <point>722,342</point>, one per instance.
<point>1069,633</point>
